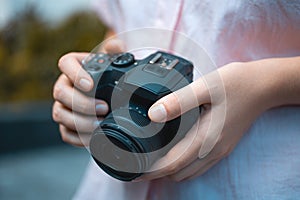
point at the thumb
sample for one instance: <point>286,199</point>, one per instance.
<point>179,102</point>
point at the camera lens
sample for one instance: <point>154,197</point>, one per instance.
<point>126,144</point>
<point>117,154</point>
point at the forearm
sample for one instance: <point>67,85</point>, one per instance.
<point>280,80</point>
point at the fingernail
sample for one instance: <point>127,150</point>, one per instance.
<point>85,84</point>
<point>158,113</point>
<point>101,108</point>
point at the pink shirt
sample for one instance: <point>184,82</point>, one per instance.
<point>266,162</point>
<point>230,31</point>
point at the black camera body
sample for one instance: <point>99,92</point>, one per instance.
<point>127,142</point>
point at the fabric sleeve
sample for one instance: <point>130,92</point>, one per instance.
<point>103,8</point>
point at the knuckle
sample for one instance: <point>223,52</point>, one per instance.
<point>62,62</point>
<point>84,107</point>
<point>64,135</point>
<point>67,136</point>
<point>58,91</point>
<point>56,114</point>
<point>172,105</point>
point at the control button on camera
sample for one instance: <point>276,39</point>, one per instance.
<point>172,64</point>
<point>93,67</point>
<point>124,60</point>
<point>156,70</point>
<point>156,58</point>
<point>101,61</point>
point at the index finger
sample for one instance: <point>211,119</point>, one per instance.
<point>181,155</point>
<point>180,101</point>
<point>70,65</point>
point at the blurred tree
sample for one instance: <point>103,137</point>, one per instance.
<point>30,48</point>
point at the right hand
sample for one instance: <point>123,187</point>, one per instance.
<point>64,112</point>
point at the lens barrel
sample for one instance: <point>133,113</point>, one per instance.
<point>117,154</point>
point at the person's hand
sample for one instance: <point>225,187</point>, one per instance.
<point>229,108</point>
<point>70,83</point>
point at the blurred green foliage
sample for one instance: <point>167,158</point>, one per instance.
<point>30,49</point>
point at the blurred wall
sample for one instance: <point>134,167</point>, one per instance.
<point>27,126</point>
<point>34,34</point>
<point>30,46</point>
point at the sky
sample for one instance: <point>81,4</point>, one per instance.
<point>50,10</point>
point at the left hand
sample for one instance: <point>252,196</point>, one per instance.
<point>245,95</point>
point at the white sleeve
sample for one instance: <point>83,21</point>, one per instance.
<point>104,9</point>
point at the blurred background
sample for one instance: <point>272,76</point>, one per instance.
<point>34,34</point>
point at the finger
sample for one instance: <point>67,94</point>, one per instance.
<point>180,101</point>
<point>202,170</point>
<point>113,46</point>
<point>199,165</point>
<point>75,100</point>
<point>70,65</point>
<point>73,121</point>
<point>181,155</point>
<point>71,137</point>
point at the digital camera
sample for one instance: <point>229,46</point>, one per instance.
<point>127,142</point>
